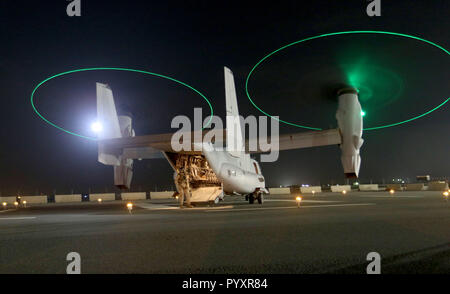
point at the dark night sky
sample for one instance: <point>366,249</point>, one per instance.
<point>192,41</point>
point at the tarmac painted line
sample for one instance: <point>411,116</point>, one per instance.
<point>167,207</point>
<point>17,218</point>
<point>293,200</point>
<point>155,206</point>
<point>387,196</point>
<point>210,208</point>
<point>6,210</point>
<point>293,207</point>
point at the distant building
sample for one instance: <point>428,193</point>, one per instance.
<point>423,179</point>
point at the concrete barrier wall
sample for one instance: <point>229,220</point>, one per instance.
<point>134,196</point>
<point>161,195</point>
<point>414,187</point>
<point>395,187</point>
<point>368,187</point>
<point>103,196</point>
<point>39,199</point>
<point>68,198</point>
<point>306,190</point>
<point>437,186</point>
<point>8,199</point>
<point>279,191</point>
<point>341,188</point>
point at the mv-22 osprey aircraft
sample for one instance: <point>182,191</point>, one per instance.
<point>215,172</point>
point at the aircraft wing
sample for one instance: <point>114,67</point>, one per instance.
<point>299,141</point>
<point>151,146</point>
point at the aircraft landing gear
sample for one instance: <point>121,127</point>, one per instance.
<point>255,196</point>
<point>260,198</point>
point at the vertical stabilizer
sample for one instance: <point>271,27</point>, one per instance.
<point>106,113</point>
<point>113,126</point>
<point>235,144</point>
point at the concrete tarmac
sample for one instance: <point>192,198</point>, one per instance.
<point>329,233</point>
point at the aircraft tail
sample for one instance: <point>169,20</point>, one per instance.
<point>106,113</point>
<point>113,126</point>
<point>235,143</point>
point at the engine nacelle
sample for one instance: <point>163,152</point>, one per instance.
<point>350,123</point>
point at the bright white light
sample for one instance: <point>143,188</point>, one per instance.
<point>96,127</point>
<point>299,200</point>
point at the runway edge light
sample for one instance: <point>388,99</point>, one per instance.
<point>129,207</point>
<point>298,199</point>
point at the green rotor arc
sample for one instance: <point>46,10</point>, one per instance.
<point>334,34</point>
<point>115,69</point>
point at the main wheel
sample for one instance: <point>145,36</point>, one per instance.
<point>260,198</point>
<point>251,199</point>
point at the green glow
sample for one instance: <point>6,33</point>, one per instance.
<point>110,68</point>
<point>363,113</point>
<point>378,86</point>
<point>353,77</point>
<point>364,93</point>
